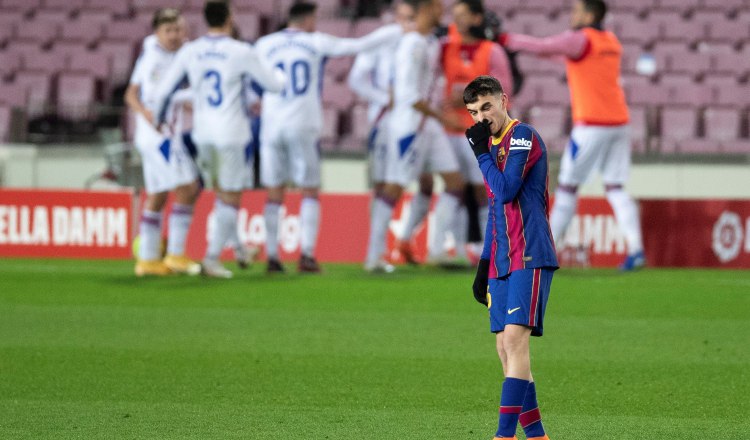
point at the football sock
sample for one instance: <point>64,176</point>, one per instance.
<point>380,219</point>
<point>225,226</point>
<point>566,203</point>
<point>310,218</point>
<point>626,213</point>
<point>271,214</point>
<point>150,232</point>
<point>419,207</point>
<point>445,216</point>
<point>511,403</point>
<point>484,215</point>
<point>461,231</point>
<point>179,224</point>
<point>531,418</point>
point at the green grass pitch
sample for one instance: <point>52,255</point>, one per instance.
<point>87,351</point>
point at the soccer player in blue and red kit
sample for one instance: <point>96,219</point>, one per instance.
<point>515,271</point>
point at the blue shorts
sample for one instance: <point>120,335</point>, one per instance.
<point>519,298</point>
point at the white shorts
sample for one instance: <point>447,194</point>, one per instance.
<point>377,147</point>
<point>411,154</point>
<point>466,160</point>
<point>290,156</point>
<point>167,163</point>
<point>605,149</point>
<point>226,167</point>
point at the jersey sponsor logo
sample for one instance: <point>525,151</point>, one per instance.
<point>526,143</point>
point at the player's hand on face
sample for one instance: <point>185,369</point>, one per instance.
<point>479,136</point>
<point>481,281</point>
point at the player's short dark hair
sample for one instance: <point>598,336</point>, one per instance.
<point>165,16</point>
<point>300,10</point>
<point>596,7</point>
<point>482,86</point>
<point>216,12</point>
<point>475,6</point>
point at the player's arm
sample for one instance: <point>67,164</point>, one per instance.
<point>360,80</point>
<point>270,80</point>
<point>169,84</point>
<point>481,279</point>
<point>336,46</point>
<point>133,91</point>
<point>569,44</point>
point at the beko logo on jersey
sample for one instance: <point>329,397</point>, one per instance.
<point>520,142</point>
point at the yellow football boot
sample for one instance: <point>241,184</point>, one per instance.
<point>151,267</point>
<point>182,264</point>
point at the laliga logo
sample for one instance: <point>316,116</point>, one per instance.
<point>727,237</point>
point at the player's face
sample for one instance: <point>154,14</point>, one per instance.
<point>404,15</point>
<point>171,35</point>
<point>464,18</point>
<point>493,108</point>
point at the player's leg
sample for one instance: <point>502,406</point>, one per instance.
<point>226,209</point>
<point>378,146</point>
<point>615,170</point>
<point>528,293</point>
<point>244,253</point>
<point>186,192</point>
<point>442,159</point>
<point>418,210</point>
<point>273,176</point>
<point>579,158</point>
<point>305,165</point>
<point>158,182</point>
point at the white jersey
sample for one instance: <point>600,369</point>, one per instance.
<point>371,77</point>
<point>150,68</point>
<point>416,69</point>
<point>217,68</point>
<point>301,55</point>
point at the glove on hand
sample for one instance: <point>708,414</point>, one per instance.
<point>479,137</point>
<point>480,281</point>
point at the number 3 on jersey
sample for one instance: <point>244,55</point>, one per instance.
<point>214,95</point>
<point>298,73</point>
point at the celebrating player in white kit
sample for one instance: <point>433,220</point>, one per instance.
<point>166,163</point>
<point>292,122</point>
<point>371,78</point>
<point>217,68</point>
<point>417,140</point>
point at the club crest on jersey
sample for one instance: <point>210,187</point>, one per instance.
<point>500,154</point>
<point>520,142</point>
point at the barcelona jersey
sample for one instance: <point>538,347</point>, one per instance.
<point>516,176</point>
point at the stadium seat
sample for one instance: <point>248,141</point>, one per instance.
<point>116,8</point>
<point>7,32</point>
<point>337,94</point>
<point>85,29</point>
<point>364,26</point>
<point>338,68</point>
<point>727,5</point>
<point>725,90</point>
<point>682,89</point>
<point>682,6</point>
<point>14,94</point>
<point>554,92</point>
<point>64,5</point>
<point>738,146</point>
<point>52,15</point>
<point>693,63</point>
<point>640,128</point>
<point>38,91</point>
<point>551,123</point>
<point>360,126</point>
<point>21,6</point>
<point>51,61</point>
<point>646,93</point>
<point>95,63</point>
<point>127,30</point>
<point>721,124</point>
<point>532,65</point>
<point>248,24</point>
<point>122,58</point>
<point>685,31</point>
<point>39,31</point>
<point>5,120</point>
<point>678,124</point>
<point>10,62</point>
<point>643,32</point>
<point>335,26</point>
<point>728,31</point>
<point>196,25</point>
<point>75,96</point>
<point>330,134</point>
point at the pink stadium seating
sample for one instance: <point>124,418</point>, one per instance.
<point>643,32</point>
<point>338,67</point>
<point>682,89</point>
<point>127,30</point>
<point>66,5</point>
<point>330,133</point>
<point>52,15</point>
<point>721,124</point>
<point>95,63</point>
<point>678,124</point>
<point>729,31</point>
<point>724,4</point>
<point>5,120</point>
<point>550,122</point>
<point>685,31</point>
<point>51,61</point>
<point>640,128</point>
<point>248,24</point>
<point>682,6</point>
<point>83,30</point>
<point>38,91</point>
<point>364,26</point>
<point>196,25</point>
<point>116,8</point>
<point>10,62</point>
<point>360,125</point>
<point>693,63</point>
<point>122,58</point>
<point>14,94</point>
<point>75,95</point>
<point>337,95</point>
<point>40,31</point>
<point>337,27</point>
<point>22,6</point>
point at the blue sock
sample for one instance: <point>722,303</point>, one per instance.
<point>511,403</point>
<point>531,418</point>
